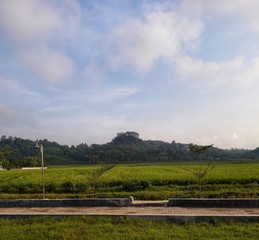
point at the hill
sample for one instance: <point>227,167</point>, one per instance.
<point>124,148</point>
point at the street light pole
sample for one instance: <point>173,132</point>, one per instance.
<point>42,165</point>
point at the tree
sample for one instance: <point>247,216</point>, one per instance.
<point>6,157</point>
<point>199,149</point>
<point>31,161</point>
<point>200,172</point>
<point>93,176</point>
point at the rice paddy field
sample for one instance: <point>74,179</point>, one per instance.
<point>146,182</point>
<point>150,181</point>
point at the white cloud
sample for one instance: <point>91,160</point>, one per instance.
<point>245,11</point>
<point>7,115</point>
<point>114,94</point>
<point>16,119</point>
<point>36,28</point>
<point>28,20</point>
<point>100,96</point>
<point>160,35</point>
<point>12,87</point>
<point>8,84</point>
<point>89,128</point>
<point>51,66</point>
<point>237,70</point>
<point>244,8</point>
<point>25,20</point>
<point>93,75</point>
<point>223,140</point>
<point>235,136</point>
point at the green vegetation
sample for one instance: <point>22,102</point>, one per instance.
<point>7,158</point>
<point>200,172</point>
<point>122,228</point>
<point>124,148</point>
<point>141,181</point>
<point>94,175</point>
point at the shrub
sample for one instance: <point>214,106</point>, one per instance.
<point>67,187</point>
<point>135,185</point>
<point>51,188</point>
<point>80,187</point>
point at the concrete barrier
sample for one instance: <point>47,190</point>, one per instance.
<point>170,218</point>
<point>88,202</point>
<point>213,203</point>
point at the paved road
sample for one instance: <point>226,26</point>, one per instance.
<point>141,209</point>
<point>160,211</point>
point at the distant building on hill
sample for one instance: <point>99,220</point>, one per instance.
<point>128,134</point>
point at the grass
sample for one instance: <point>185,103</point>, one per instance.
<point>121,228</point>
<point>228,180</point>
<point>142,182</point>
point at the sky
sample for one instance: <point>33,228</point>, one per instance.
<point>80,71</point>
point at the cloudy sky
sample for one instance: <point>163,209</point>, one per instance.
<point>76,71</point>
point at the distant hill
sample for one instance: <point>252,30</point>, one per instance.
<point>124,148</point>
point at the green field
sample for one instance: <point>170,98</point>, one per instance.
<point>141,181</point>
<point>122,228</point>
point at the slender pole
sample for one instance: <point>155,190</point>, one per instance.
<point>42,163</point>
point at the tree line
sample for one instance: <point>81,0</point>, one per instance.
<point>17,152</point>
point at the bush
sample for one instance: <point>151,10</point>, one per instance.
<point>51,188</point>
<point>113,183</point>
<point>22,188</point>
<point>80,187</point>
<point>67,187</point>
<point>135,185</point>
<point>7,189</point>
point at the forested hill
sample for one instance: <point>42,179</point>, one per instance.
<point>124,148</point>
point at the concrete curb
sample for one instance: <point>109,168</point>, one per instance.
<point>89,202</point>
<point>213,203</point>
<point>169,218</point>
<point>149,203</point>
<point>197,219</point>
<point>127,202</point>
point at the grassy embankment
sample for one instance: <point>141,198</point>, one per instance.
<point>141,181</point>
<point>121,228</point>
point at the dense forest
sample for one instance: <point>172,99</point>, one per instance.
<point>124,148</point>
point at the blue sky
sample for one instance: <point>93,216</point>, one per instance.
<point>78,71</point>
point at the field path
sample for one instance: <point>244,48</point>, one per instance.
<point>147,209</point>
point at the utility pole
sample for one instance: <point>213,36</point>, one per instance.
<point>40,146</point>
